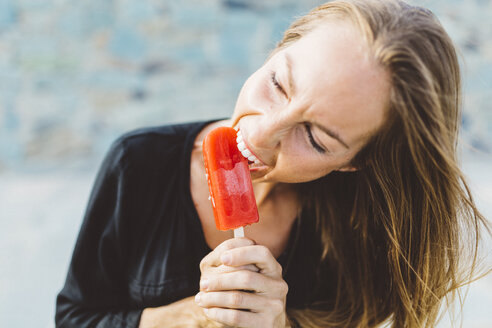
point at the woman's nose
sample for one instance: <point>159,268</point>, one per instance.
<point>271,129</point>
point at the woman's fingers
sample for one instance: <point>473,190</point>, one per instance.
<point>241,285</point>
<point>258,255</point>
<point>213,258</point>
<point>245,280</point>
<point>234,318</point>
<point>240,309</point>
<point>226,268</point>
<point>239,300</point>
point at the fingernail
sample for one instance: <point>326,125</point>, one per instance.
<point>198,297</point>
<point>225,258</point>
<point>204,284</point>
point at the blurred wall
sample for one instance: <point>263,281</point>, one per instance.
<point>76,74</point>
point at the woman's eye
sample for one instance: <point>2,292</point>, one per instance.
<point>277,85</point>
<point>313,142</point>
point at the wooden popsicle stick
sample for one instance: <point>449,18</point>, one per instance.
<point>239,232</point>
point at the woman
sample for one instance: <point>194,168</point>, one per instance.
<point>354,121</point>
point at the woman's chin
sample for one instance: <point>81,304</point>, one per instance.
<point>258,171</point>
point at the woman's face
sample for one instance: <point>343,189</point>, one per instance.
<point>310,108</point>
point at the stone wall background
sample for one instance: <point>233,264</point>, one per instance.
<point>76,74</point>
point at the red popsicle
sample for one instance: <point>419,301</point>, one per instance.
<point>229,180</point>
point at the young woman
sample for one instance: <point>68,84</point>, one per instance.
<point>363,208</point>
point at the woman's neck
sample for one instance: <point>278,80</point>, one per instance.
<point>266,191</point>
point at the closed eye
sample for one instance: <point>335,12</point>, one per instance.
<point>313,142</point>
<point>273,78</point>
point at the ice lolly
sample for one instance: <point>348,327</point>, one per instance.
<point>229,181</point>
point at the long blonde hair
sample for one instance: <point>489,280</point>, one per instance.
<point>395,232</point>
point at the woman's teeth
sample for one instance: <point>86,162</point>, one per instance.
<point>245,151</point>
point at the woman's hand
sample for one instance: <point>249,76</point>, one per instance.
<point>183,313</point>
<point>242,286</point>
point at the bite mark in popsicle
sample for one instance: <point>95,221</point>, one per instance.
<point>229,180</point>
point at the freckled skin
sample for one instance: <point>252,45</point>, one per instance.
<point>337,85</point>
